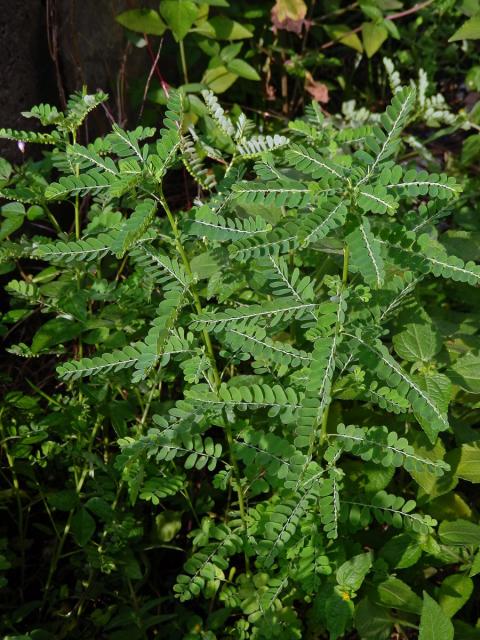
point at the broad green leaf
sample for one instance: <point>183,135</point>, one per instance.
<point>227,29</point>
<point>64,500</point>
<point>205,264</point>
<point>83,526</point>
<point>472,79</point>
<point>454,593</point>
<point>10,225</point>
<point>417,342</point>
<point>167,525</point>
<point>142,21</point>
<point>466,372</point>
<point>373,36</point>
<point>5,170</point>
<point>339,611</point>
<point>219,79</point>
<point>343,33</point>
<point>470,30</point>
<point>242,69</point>
<point>475,568</point>
<point>352,573</point>
<point>434,624</point>
<point>449,507</point>
<point>53,332</point>
<point>401,551</point>
<point>394,593</point>
<point>471,149</point>
<point>459,532</point>
<point>371,621</point>
<point>468,467</point>
<point>179,16</point>
<point>431,485</point>
<point>464,631</point>
<point>439,389</point>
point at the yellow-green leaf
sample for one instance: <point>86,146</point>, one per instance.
<point>469,464</point>
<point>373,36</point>
<point>454,592</point>
<point>142,21</point>
<point>344,35</point>
<point>179,16</point>
<point>226,29</point>
<point>434,624</point>
<point>219,79</point>
<point>242,69</point>
<point>466,373</point>
<point>470,30</point>
<point>459,532</point>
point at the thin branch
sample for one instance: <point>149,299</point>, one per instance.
<point>392,16</point>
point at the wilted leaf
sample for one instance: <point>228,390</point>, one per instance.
<point>316,89</point>
<point>289,15</point>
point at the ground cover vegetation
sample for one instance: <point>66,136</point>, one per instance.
<point>242,351</point>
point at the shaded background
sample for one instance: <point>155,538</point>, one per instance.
<point>51,48</point>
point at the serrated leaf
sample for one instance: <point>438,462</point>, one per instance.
<point>417,342</point>
<point>466,372</point>
<point>352,573</point>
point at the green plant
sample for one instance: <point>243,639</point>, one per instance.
<point>267,377</point>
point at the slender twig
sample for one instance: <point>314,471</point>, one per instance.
<point>392,16</point>
<point>163,83</point>
<point>149,79</point>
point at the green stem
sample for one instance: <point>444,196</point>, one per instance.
<point>18,500</point>
<point>346,255</point>
<point>216,375</point>
<point>184,62</point>
<point>196,299</point>
<point>52,219</point>
<point>66,530</point>
<point>323,428</point>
